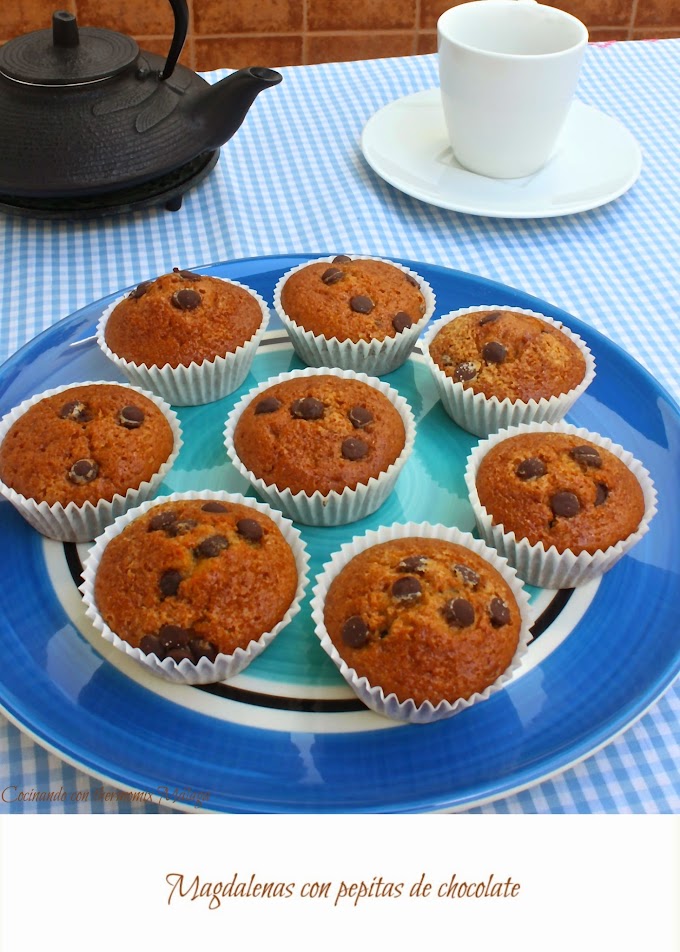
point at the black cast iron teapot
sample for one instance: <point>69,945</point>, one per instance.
<point>85,111</point>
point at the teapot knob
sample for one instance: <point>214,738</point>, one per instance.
<point>64,29</point>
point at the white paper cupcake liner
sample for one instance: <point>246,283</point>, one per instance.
<point>224,666</point>
<point>482,415</point>
<point>547,568</point>
<point>375,357</point>
<point>373,696</point>
<point>334,508</point>
<point>74,523</point>
<point>192,384</point>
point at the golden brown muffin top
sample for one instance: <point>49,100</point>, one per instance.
<point>321,432</point>
<point>425,619</point>
<point>560,489</point>
<point>353,300</point>
<point>196,577</point>
<point>85,444</point>
<point>182,318</point>
<point>504,353</point>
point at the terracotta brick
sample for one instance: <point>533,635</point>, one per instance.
<point>236,52</point>
<point>662,13</point>
<point>431,10</point>
<point>24,16</point>
<point>604,34</point>
<point>662,33</point>
<point>427,42</point>
<point>351,46</point>
<point>247,16</point>
<point>333,17</point>
<point>151,18</point>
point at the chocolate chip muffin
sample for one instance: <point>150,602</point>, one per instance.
<point>195,578</point>
<point>353,299</point>
<point>508,354</point>
<point>85,444</point>
<point>182,318</point>
<point>319,433</point>
<point>561,490</point>
<point>423,618</point>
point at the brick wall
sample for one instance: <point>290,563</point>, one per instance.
<point>235,33</point>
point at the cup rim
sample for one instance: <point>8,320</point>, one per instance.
<point>460,10</point>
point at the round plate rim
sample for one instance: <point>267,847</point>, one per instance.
<point>553,764</point>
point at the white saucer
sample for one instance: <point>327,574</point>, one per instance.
<point>595,161</point>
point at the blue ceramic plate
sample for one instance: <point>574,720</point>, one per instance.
<point>287,735</point>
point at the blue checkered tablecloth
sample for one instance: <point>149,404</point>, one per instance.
<point>293,180</point>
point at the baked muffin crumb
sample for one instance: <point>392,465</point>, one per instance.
<point>425,619</point>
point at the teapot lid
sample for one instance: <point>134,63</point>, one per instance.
<point>65,55</point>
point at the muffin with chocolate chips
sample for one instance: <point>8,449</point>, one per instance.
<point>325,446</point>
<point>497,366</point>
<point>560,503</point>
<point>353,312</point>
<point>196,585</point>
<point>431,618</point>
<point>189,337</point>
<point>74,458</point>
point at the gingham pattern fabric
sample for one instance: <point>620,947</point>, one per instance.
<point>293,180</point>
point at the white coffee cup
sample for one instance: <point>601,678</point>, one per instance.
<point>507,70</point>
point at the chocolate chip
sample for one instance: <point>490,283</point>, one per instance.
<point>169,583</point>
<point>413,563</point>
<point>211,547</point>
<point>188,275</point>
<point>401,321</point>
<point>407,589</point>
<point>494,352</point>
<point>151,645</point>
<point>411,280</point>
<point>601,494</point>
<point>490,318</point>
<point>467,575</point>
<point>307,408</point>
<point>341,259</point>
<point>180,654</point>
<point>459,613</point>
<point>180,527</point>
<point>355,632</point>
<point>173,636</point>
<point>141,289</point>
<point>75,410</point>
<point>354,449</point>
<point>587,455</point>
<point>465,371</point>
<point>200,648</point>
<point>332,275</point>
<point>499,613</point>
<point>214,506</point>
<point>163,520</point>
<point>131,417</point>
<point>360,417</point>
<point>250,529</point>
<point>186,299</point>
<point>565,504</point>
<point>267,405</point>
<point>531,468</point>
<point>361,304</point>
<point>83,471</point>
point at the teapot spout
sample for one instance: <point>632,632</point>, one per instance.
<point>224,106</point>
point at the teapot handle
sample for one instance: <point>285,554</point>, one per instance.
<point>181,12</point>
